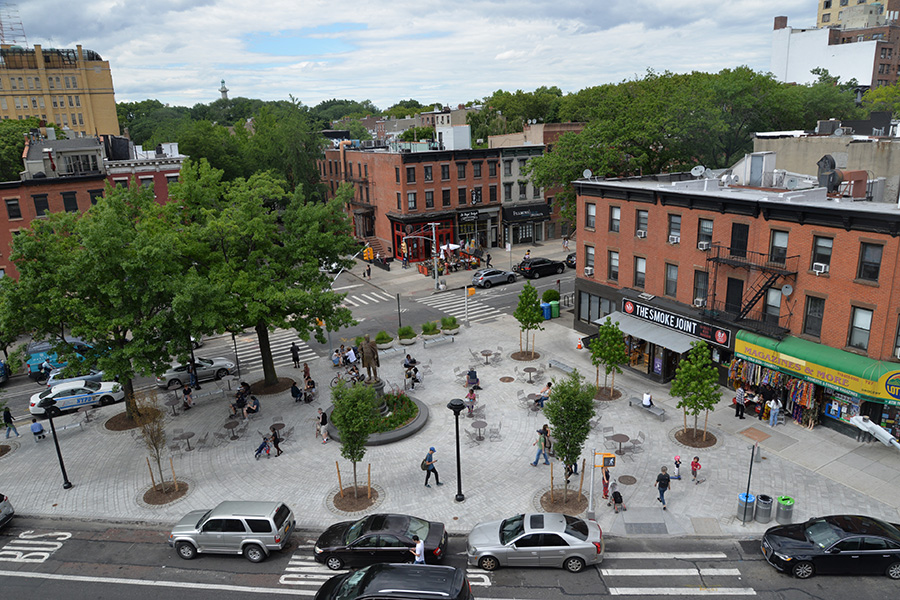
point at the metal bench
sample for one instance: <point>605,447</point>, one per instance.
<point>656,410</point>
<point>444,339</point>
<point>561,366</point>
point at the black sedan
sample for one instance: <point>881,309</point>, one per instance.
<point>381,538</point>
<point>850,544</point>
<point>536,267</point>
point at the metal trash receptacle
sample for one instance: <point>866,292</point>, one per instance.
<point>554,309</point>
<point>764,508</point>
<point>545,308</point>
<point>746,504</point>
<point>784,512</point>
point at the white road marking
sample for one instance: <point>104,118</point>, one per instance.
<point>478,579</point>
<point>347,287</point>
<point>360,300</point>
<point>664,555</point>
<point>669,572</point>
<point>650,591</point>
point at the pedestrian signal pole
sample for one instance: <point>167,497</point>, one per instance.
<point>607,460</point>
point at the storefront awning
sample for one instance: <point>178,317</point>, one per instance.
<point>667,338</point>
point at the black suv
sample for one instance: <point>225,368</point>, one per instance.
<point>536,267</point>
<point>402,581</point>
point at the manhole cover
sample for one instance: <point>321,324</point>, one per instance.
<point>627,479</point>
<point>507,379</point>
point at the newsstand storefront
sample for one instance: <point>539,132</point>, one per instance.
<point>521,222</point>
<point>819,384</point>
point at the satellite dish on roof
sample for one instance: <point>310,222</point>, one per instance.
<point>586,174</point>
<point>708,174</point>
<point>698,170</point>
<point>787,289</point>
<point>839,132</point>
<point>791,183</point>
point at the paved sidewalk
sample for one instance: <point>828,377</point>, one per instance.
<point>824,471</point>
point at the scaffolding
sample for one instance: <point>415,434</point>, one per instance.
<point>12,31</point>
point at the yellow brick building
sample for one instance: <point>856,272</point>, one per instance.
<point>70,88</point>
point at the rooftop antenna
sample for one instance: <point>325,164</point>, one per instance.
<point>11,29</point>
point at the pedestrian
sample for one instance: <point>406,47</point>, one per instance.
<point>470,401</point>
<point>762,398</point>
<point>322,425</point>
<point>275,440</point>
<point>695,469</point>
<point>8,421</point>
<point>566,243</point>
<point>306,371</point>
<point>369,271</point>
<point>647,400</point>
<point>774,408</point>
<point>37,429</point>
<point>677,473</point>
<point>739,401</point>
<point>487,261</point>
<point>295,354</point>
<point>192,373</point>
<point>606,477</point>
<point>544,395</point>
<point>662,484</point>
<point>527,255</point>
<point>187,398</point>
<point>541,443</point>
<point>428,463</point>
<point>418,551</point>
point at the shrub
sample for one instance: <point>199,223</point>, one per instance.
<point>406,332</point>
<point>449,322</point>
<point>403,410</point>
<point>430,328</point>
<point>383,337</point>
<point>550,295</point>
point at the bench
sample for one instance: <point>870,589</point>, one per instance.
<point>561,366</point>
<point>656,410</point>
<point>444,339</point>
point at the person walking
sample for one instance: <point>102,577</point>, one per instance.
<point>739,402</point>
<point>418,551</point>
<point>192,373</point>
<point>430,468</point>
<point>695,469</point>
<point>275,440</point>
<point>774,408</point>
<point>487,261</point>
<point>369,272</point>
<point>662,484</point>
<point>541,442</point>
<point>295,354</point>
<point>8,421</point>
<point>322,426</point>
<point>566,243</point>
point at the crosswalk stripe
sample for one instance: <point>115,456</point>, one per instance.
<point>350,302</point>
<point>676,591</point>
<point>664,555</point>
<point>653,572</point>
<point>360,300</point>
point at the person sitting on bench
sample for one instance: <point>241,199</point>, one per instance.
<point>472,380</point>
<point>252,408</point>
<point>310,392</point>
<point>296,392</point>
<point>37,429</point>
<point>647,402</point>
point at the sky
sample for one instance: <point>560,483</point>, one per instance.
<point>178,51</point>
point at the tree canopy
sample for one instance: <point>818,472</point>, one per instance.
<point>528,313</point>
<point>570,410</point>
<point>696,383</point>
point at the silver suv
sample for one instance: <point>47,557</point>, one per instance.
<point>237,527</point>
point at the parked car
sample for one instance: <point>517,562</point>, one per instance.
<point>570,260</point>
<point>6,511</point>
<point>56,377</point>
<point>379,538</point>
<point>207,368</point>
<point>538,267</point>
<point>487,277</point>
<point>851,544</point>
<point>388,581</point>
<point>252,529</point>
<point>41,350</point>
<point>536,540</point>
<point>76,394</point>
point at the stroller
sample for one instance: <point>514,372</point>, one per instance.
<point>264,447</point>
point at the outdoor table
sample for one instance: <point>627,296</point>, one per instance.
<point>173,402</point>
<point>186,436</point>
<point>277,426</point>
<point>479,426</point>
<point>231,426</point>
<point>88,411</point>
<point>487,355</point>
<point>621,438</point>
<point>530,371</point>
<point>534,398</point>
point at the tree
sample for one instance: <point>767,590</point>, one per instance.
<point>570,410</point>
<point>12,144</point>
<point>528,313</point>
<point>414,134</point>
<point>353,415</point>
<point>287,140</point>
<point>151,427</point>
<point>697,384</point>
<point>358,131</point>
<point>608,349</point>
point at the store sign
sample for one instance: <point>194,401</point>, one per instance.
<point>521,214</point>
<point>692,327</point>
<point>468,216</point>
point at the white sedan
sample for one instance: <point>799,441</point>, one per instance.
<point>76,394</point>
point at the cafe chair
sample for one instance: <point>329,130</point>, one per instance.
<point>636,445</point>
<point>472,441</point>
<point>494,432</point>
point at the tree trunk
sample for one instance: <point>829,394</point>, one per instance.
<point>598,377</point>
<point>520,340</point>
<point>355,487</point>
<point>696,418</point>
<point>131,411</point>
<point>705,424</point>
<point>612,388</point>
<point>265,351</point>
<point>162,480</point>
<point>684,431</point>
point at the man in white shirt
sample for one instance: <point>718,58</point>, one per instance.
<point>419,550</point>
<point>648,399</point>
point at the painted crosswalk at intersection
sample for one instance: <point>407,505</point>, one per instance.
<point>280,343</point>
<point>363,299</point>
<point>682,574</point>
<point>455,304</point>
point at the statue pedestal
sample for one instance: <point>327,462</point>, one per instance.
<point>377,385</point>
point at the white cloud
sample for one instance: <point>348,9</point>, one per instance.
<point>177,51</point>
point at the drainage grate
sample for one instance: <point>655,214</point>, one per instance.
<point>627,479</point>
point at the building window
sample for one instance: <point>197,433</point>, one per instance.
<point>821,251</point>
<point>462,196</point>
<point>778,247</point>
<point>97,194</point>
<point>772,307</point>
<point>869,262</point>
<point>589,256</point>
<point>826,18</point>
<point>701,285</point>
<point>476,169</point>
<point>591,307</point>
<point>612,269</point>
<point>427,174</point>
<point>492,169</point>
<point>813,315</point>
<point>13,209</point>
<point>12,83</point>
<point>410,174</point>
<point>615,217</point>
<point>590,215</point>
<point>641,221</point>
<point>535,192</point>
<point>399,201</point>
<point>429,199</point>
<point>445,197</point>
<point>460,170</point>
<point>740,233</point>
<point>523,191</point>
<point>826,4</point>
<point>350,168</point>
<point>675,226</point>
<point>366,170</point>
<point>41,204</point>
<point>671,280</point>
<point>70,202</point>
<point>397,174</point>
<point>411,200</point>
<point>522,162</point>
<point>640,272</point>
<point>897,339</point>
<point>77,101</point>
<point>844,2</point>
<point>705,231</point>
<point>493,193</point>
<point>507,168</point>
<point>445,172</point>
<point>860,326</point>
<point>507,191</point>
<point>886,52</point>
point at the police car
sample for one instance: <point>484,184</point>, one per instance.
<point>75,394</point>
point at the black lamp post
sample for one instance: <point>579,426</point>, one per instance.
<point>49,406</point>
<point>456,405</point>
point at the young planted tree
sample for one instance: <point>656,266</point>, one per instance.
<point>608,350</point>
<point>528,314</point>
<point>570,410</point>
<point>697,384</point>
<point>353,415</point>
<point>151,426</point>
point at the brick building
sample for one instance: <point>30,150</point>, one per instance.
<point>792,286</point>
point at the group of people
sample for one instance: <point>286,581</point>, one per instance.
<point>769,399</point>
<point>344,357</point>
<point>308,392</point>
<point>272,440</point>
<point>8,420</point>
<point>245,403</point>
<point>411,375</point>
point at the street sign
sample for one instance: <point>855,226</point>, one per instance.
<point>608,459</point>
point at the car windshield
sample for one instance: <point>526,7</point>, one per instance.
<point>417,527</point>
<point>822,533</point>
<point>204,361</point>
<point>576,528</point>
<point>356,530</point>
<point>202,519</point>
<point>45,393</point>
<point>353,585</point>
<point>512,528</point>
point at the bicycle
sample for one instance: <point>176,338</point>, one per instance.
<point>346,376</point>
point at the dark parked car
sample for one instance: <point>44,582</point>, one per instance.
<point>570,260</point>
<point>536,267</point>
<point>383,582</point>
<point>850,544</point>
<point>379,538</point>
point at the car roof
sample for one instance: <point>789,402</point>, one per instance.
<point>387,522</point>
<point>862,525</point>
<point>409,580</point>
<point>67,385</point>
<point>555,522</point>
<point>245,508</point>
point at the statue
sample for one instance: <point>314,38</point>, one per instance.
<point>369,352</point>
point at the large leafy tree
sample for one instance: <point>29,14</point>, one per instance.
<point>353,415</point>
<point>288,141</point>
<point>528,314</point>
<point>570,410</point>
<point>414,134</point>
<point>12,144</point>
<point>697,385</point>
<point>608,350</point>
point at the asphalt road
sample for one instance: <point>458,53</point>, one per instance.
<point>46,559</point>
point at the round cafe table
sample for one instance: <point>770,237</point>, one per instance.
<point>277,426</point>
<point>173,402</point>
<point>186,436</point>
<point>479,426</point>
<point>530,371</point>
<point>231,426</point>
<point>487,355</point>
<point>621,438</point>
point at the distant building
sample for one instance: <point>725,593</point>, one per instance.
<point>855,13</point>
<point>71,88</point>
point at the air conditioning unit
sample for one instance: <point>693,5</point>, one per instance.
<point>674,239</point>
<point>819,268</point>
<point>699,302</point>
<point>641,233</point>
<point>589,271</point>
<point>703,246</point>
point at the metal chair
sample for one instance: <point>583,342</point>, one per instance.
<point>478,411</point>
<point>473,439</point>
<point>494,432</point>
<point>220,438</point>
<point>608,432</point>
<point>636,445</point>
<point>175,449</point>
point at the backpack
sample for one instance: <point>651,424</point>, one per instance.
<point>424,464</point>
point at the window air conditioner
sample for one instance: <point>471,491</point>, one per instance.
<point>589,271</point>
<point>674,239</point>
<point>703,246</point>
<point>819,268</point>
<point>641,233</point>
<point>897,352</point>
<point>699,302</point>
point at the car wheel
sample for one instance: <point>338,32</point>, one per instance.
<point>803,570</point>
<point>573,564</point>
<point>488,563</point>
<point>105,400</point>
<point>559,271</point>
<point>536,275</point>
<point>173,383</point>
<point>186,550</point>
<point>893,570</point>
<point>53,411</point>
<point>511,279</point>
<point>254,553</point>
<point>486,284</point>
<point>334,563</point>
<point>221,373</point>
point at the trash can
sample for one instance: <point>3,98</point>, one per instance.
<point>545,307</point>
<point>554,309</point>
<point>785,510</point>
<point>745,507</point>
<point>764,508</point>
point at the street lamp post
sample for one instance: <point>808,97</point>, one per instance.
<point>456,405</point>
<point>49,406</point>
<point>237,361</point>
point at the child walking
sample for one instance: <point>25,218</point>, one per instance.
<point>616,498</point>
<point>695,469</point>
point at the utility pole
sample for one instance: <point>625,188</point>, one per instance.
<point>434,253</point>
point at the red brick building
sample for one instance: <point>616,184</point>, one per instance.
<point>787,286</point>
